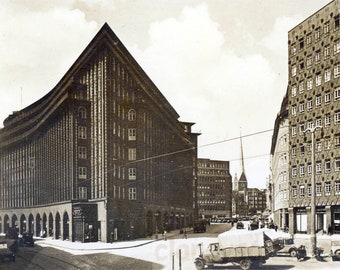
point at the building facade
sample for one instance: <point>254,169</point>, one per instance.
<point>257,201</point>
<point>101,157</point>
<point>314,100</point>
<point>214,188</point>
<point>279,182</point>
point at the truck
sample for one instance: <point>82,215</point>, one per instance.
<point>247,248</point>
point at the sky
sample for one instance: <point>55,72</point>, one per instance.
<point>221,64</point>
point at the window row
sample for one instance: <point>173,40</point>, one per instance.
<point>319,168</point>
<point>326,76</point>
<point>315,36</point>
<point>320,189</point>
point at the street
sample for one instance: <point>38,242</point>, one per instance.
<point>144,254</point>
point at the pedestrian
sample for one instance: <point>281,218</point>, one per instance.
<point>164,235</point>
<point>329,230</point>
<point>111,237</point>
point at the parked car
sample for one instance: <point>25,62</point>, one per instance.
<point>335,250</point>
<point>26,239</point>
<point>239,225</point>
<point>200,226</point>
<point>289,247</point>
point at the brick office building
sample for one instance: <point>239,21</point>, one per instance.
<point>102,156</point>
<point>314,100</point>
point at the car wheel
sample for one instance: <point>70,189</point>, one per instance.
<point>199,264</point>
<point>292,252</point>
<point>245,264</point>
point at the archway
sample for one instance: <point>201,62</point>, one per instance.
<point>31,224</point>
<point>14,223</point>
<point>44,225</point>
<point>38,226</point>
<point>57,226</point>
<point>66,221</point>
<point>23,224</point>
<point>50,225</point>
<point>6,223</point>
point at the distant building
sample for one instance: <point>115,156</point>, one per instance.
<point>314,100</point>
<point>102,156</point>
<point>214,188</point>
<point>257,201</point>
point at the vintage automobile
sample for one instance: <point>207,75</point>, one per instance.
<point>26,239</point>
<point>247,248</point>
<point>200,226</point>
<point>335,250</point>
<point>239,225</point>
<point>9,245</point>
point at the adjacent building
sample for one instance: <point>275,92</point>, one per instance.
<point>102,156</point>
<point>279,184</point>
<point>314,100</point>
<point>214,188</point>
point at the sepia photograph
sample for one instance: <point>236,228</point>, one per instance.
<point>169,134</point>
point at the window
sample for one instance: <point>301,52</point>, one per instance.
<point>294,110</point>
<point>309,190</point>
<point>309,168</point>
<point>318,146</point>
<point>337,70</point>
<point>132,173</point>
<point>301,43</point>
<point>294,151</point>
<point>82,132</point>
<point>132,154</point>
<point>309,104</point>
<point>327,97</point>
<point>318,79</point>
<point>318,167</point>
<point>309,61</point>
<point>293,70</point>
<point>337,140</point>
<point>327,165</point>
<point>132,134</point>
<point>301,107</point>
<point>302,65</point>
<point>328,188</point>
<point>294,130</point>
<point>302,170</point>
<point>336,21</point>
<point>309,83</point>
<point>301,87</point>
<point>337,164</point>
<point>336,46</point>
<point>309,39</point>
<point>318,100</point>
<point>317,56</point>
<point>310,124</point>
<point>302,149</point>
<point>318,189</point>
<point>82,113</point>
<point>327,51</point>
<point>302,191</point>
<point>293,49</point>
<point>131,115</point>
<point>293,90</point>
<point>328,144</point>
<point>294,192</point>
<point>302,128</point>
<point>82,193</point>
<point>82,172</point>
<point>327,119</point>
<point>318,121</point>
<point>337,117</point>
<point>317,34</point>
<point>337,93</point>
<point>326,28</point>
<point>327,75</point>
<point>82,152</point>
<point>294,171</point>
<point>337,187</point>
<point>132,194</point>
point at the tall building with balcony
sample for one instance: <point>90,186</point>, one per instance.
<point>314,100</point>
<point>102,156</point>
<point>279,181</point>
<point>214,188</point>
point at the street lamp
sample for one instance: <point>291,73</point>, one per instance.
<point>312,201</point>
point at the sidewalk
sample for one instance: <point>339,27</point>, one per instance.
<point>95,246</point>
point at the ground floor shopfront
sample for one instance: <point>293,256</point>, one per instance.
<point>299,219</point>
<point>95,221</point>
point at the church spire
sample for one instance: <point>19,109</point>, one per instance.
<point>242,158</point>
